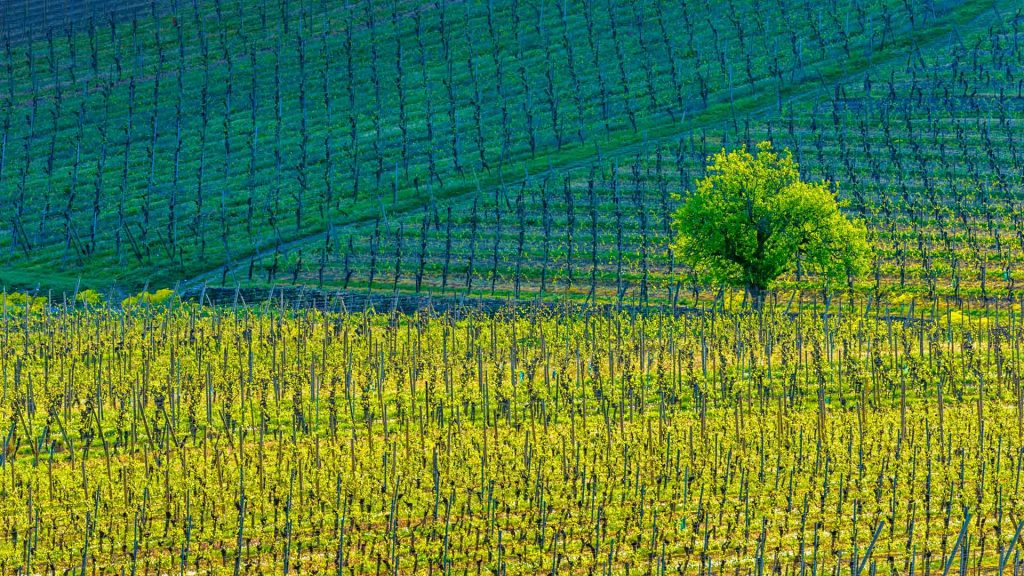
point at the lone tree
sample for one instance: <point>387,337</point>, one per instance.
<point>751,219</point>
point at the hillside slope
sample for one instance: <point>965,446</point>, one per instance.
<point>456,146</point>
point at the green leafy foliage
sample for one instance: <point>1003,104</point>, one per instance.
<point>752,218</point>
<point>161,297</point>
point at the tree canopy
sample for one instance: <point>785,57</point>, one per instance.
<point>751,218</point>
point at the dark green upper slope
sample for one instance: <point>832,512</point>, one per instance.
<point>218,138</point>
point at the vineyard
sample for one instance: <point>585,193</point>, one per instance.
<point>187,439</point>
<point>384,288</point>
<point>493,149</point>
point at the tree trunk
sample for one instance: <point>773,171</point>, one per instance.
<point>756,294</point>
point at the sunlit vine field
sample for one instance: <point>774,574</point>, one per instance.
<point>175,438</point>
